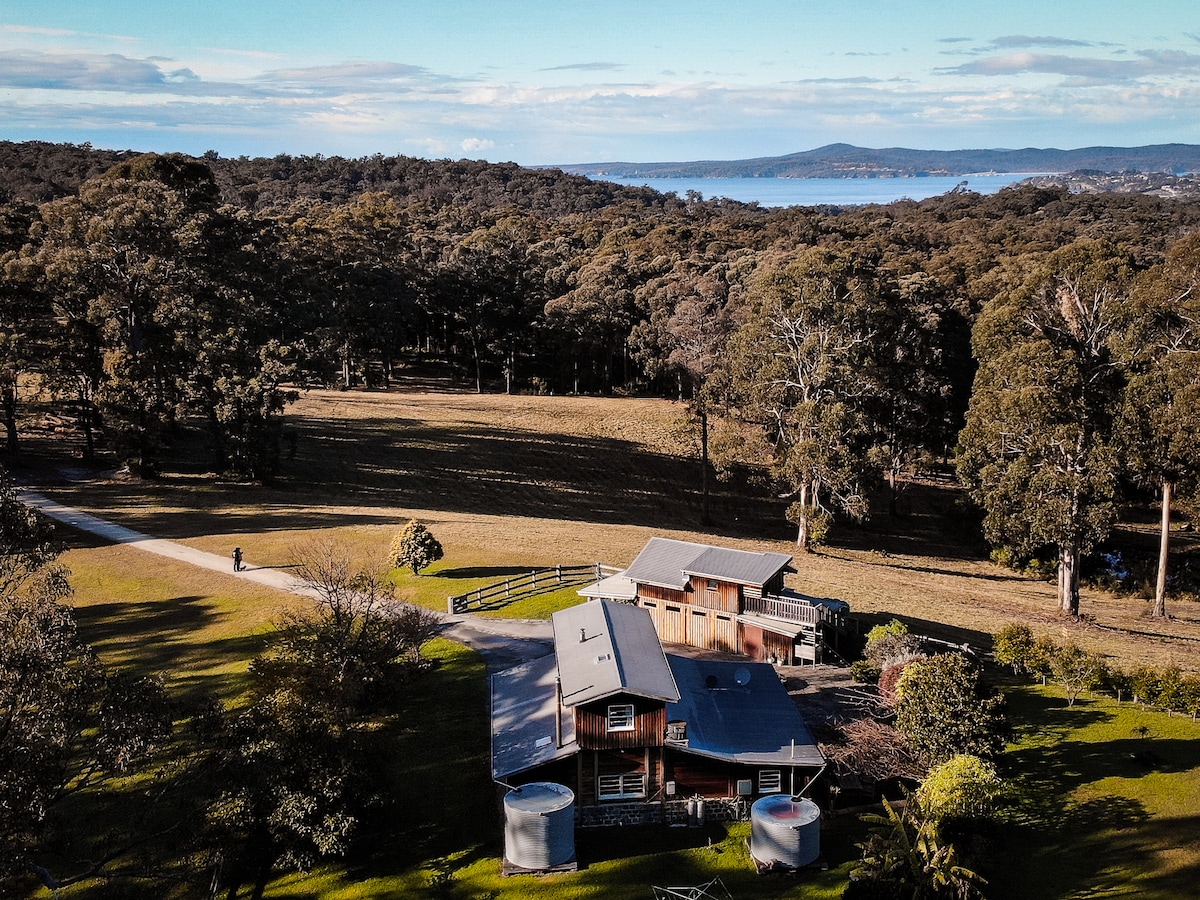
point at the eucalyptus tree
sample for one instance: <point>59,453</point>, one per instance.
<point>1037,450</point>
<point>805,367</point>
<point>489,284</point>
<point>110,259</point>
<point>600,309</point>
<point>1159,348</point>
<point>161,310</point>
<point>23,314</point>
<point>685,336</point>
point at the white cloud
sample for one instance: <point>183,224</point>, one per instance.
<point>474,145</point>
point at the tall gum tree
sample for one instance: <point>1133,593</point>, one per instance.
<point>1037,449</point>
<point>1159,425</point>
<point>803,367</point>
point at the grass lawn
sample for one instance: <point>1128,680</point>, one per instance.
<point>1107,801</point>
<point>512,483</point>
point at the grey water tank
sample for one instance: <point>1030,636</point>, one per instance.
<point>785,832</point>
<point>539,825</point>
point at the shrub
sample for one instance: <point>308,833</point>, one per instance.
<point>864,671</point>
<point>416,547</point>
<point>1077,670</point>
<point>880,631</point>
<point>964,787</point>
<point>1143,685</point>
<point>1013,645</point>
<point>944,709</point>
<point>891,644</point>
<point>1118,682</point>
<point>1041,657</point>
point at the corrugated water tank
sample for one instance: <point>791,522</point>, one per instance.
<point>785,832</point>
<point>539,825</point>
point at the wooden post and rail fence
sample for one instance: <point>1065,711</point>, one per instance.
<point>538,581</point>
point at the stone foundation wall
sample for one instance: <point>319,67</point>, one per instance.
<point>670,812</point>
<point>604,815</point>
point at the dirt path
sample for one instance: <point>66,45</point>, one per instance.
<point>502,642</point>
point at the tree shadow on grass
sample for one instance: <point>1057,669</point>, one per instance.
<point>165,637</point>
<point>979,640</point>
<point>480,572</point>
<point>596,845</point>
<point>345,465</point>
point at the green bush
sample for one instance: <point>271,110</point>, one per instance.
<point>864,671</point>
<point>1013,645</point>
<point>944,709</point>
<point>964,787</point>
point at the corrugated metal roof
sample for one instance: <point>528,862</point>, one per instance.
<point>524,706</point>
<point>669,563</point>
<point>739,711</point>
<point>614,587</point>
<point>605,648</point>
<point>740,566</point>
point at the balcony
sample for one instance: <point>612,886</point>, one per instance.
<point>795,609</point>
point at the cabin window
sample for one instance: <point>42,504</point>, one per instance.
<point>620,717</point>
<point>770,781</point>
<point>649,605</point>
<point>621,787</point>
<point>712,585</point>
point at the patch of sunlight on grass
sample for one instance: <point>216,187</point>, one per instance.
<point>1106,799</point>
<point>154,615</point>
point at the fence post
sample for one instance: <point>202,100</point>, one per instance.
<point>507,591</point>
<point>450,605</point>
<point>558,569</point>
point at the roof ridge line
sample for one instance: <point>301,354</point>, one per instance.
<point>616,652</point>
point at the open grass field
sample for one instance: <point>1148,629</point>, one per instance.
<point>512,483</point>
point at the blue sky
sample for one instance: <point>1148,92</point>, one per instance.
<point>561,81</point>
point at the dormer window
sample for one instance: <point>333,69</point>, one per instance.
<point>620,717</point>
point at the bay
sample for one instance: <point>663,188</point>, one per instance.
<point>772,192</point>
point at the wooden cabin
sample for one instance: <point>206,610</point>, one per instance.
<point>717,598</point>
<point>635,732</point>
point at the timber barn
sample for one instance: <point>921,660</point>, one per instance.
<point>734,601</point>
<point>636,732</point>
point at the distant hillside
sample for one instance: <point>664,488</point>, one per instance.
<point>846,161</point>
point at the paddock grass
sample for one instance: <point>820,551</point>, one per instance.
<point>512,483</point>
<point>1106,801</point>
<point>157,616</point>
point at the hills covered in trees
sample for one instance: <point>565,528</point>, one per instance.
<point>1045,335</point>
<point>847,161</point>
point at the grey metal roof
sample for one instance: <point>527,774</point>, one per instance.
<point>741,712</point>
<point>524,706</point>
<point>669,563</point>
<point>614,587</point>
<point>741,566</point>
<point>605,648</point>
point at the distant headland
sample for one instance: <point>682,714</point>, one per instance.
<point>847,161</point>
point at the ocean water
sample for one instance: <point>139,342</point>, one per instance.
<point>826,191</point>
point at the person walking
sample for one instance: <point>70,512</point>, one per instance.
<point>237,559</point>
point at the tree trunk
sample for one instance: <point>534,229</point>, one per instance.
<point>1164,546</point>
<point>705,517</point>
<point>804,526</point>
<point>1068,579</point>
<point>10,414</point>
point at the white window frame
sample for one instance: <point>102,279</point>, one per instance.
<point>630,786</point>
<point>770,781</point>
<point>621,717</point>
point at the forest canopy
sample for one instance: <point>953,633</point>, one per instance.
<point>1042,339</point>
